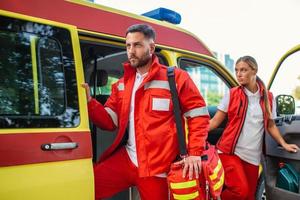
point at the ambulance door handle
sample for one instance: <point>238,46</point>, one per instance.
<point>59,146</point>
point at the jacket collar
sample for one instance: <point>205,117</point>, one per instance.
<point>260,87</point>
<point>130,71</point>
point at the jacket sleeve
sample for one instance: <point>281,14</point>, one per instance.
<point>105,117</point>
<point>194,110</point>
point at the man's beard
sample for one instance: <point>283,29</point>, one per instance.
<point>142,61</point>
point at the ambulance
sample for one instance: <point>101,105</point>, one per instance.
<point>47,49</point>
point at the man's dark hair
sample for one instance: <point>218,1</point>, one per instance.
<point>146,29</point>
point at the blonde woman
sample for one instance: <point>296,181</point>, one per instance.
<point>250,111</point>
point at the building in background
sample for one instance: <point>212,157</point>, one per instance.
<point>227,60</point>
<point>211,86</point>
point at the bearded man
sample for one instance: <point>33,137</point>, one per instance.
<point>141,102</point>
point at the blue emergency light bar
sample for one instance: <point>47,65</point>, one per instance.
<point>164,14</point>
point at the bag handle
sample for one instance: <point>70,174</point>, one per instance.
<point>177,114</point>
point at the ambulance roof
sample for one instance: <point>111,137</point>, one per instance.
<point>92,17</point>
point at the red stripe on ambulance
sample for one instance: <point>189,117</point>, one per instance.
<point>19,149</point>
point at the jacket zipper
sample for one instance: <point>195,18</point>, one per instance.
<point>240,106</point>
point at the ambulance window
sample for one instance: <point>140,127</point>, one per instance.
<point>16,86</point>
<point>51,77</point>
<point>288,70</point>
<point>38,83</point>
<point>209,83</point>
<point>108,68</point>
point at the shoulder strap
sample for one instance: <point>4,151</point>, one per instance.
<point>177,111</point>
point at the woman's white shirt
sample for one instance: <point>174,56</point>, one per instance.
<point>249,145</point>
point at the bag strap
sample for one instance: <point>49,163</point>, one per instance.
<point>177,111</point>
<point>177,114</point>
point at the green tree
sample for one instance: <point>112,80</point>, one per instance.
<point>213,98</point>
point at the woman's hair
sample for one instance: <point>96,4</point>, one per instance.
<point>253,64</point>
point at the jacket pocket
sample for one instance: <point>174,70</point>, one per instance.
<point>160,104</point>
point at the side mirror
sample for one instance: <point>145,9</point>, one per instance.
<point>285,105</point>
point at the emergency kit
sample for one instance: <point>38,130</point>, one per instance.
<point>211,180</point>
<point>288,178</point>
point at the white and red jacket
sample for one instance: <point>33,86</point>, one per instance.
<point>155,129</point>
<point>237,109</point>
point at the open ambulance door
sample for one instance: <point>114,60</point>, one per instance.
<point>45,142</point>
<point>281,168</point>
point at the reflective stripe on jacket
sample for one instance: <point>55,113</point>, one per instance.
<point>155,129</point>
<point>237,109</point>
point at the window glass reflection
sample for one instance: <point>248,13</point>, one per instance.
<point>38,85</point>
<point>210,85</point>
<point>287,79</point>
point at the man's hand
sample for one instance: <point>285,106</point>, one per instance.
<point>87,91</point>
<point>192,164</point>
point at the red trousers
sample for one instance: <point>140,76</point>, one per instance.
<point>118,173</point>
<point>240,178</point>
